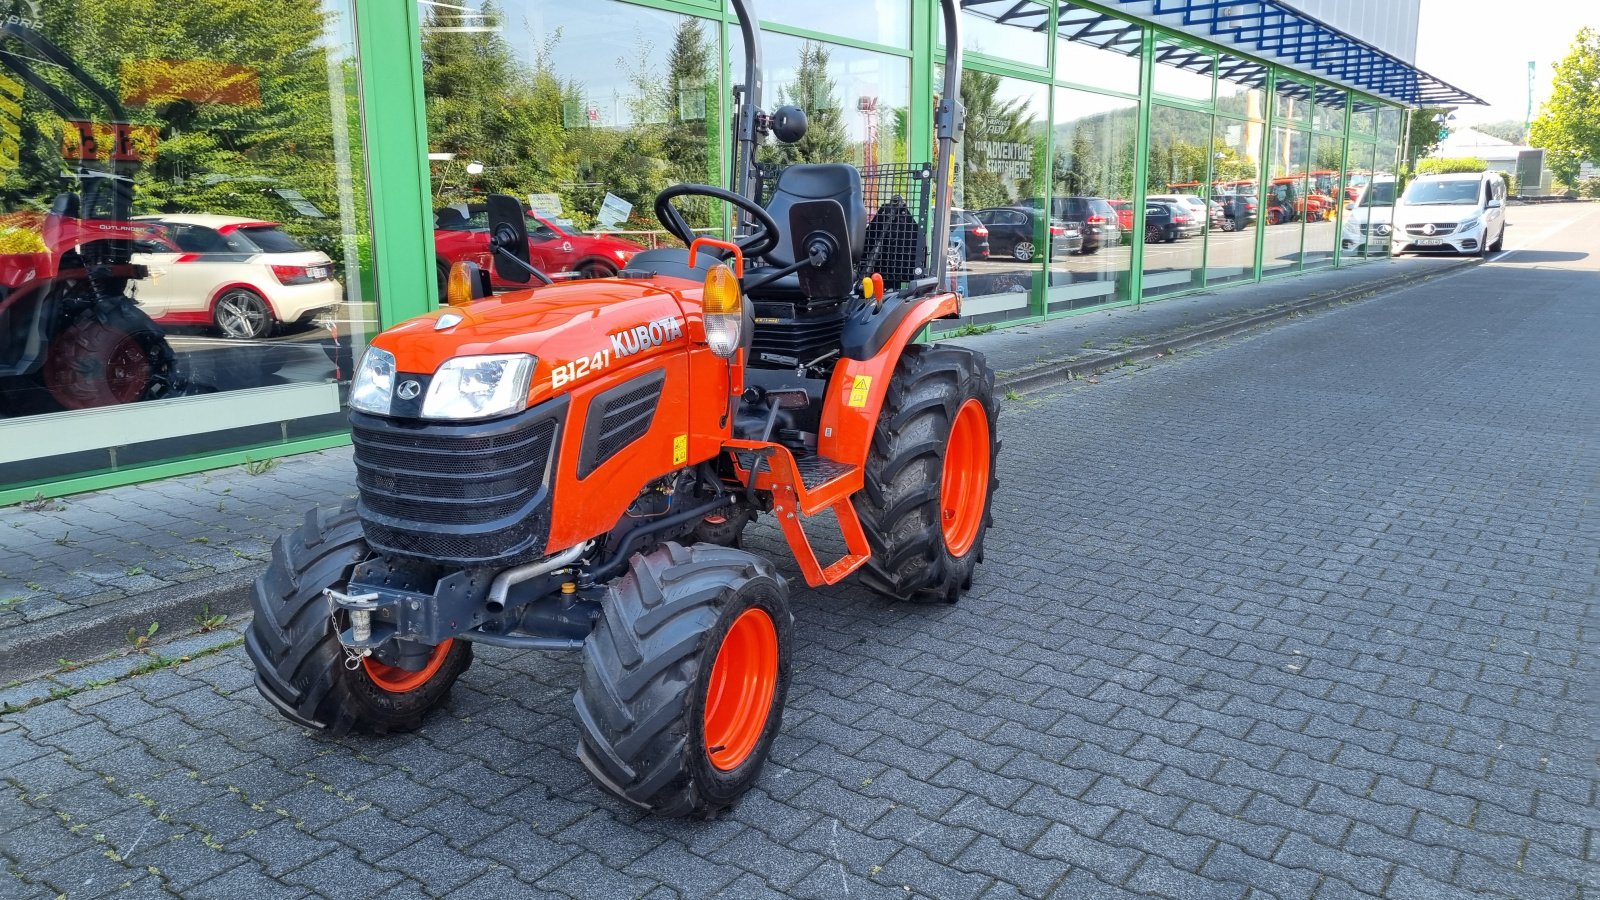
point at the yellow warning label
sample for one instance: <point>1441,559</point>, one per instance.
<point>859,391</point>
<point>680,449</point>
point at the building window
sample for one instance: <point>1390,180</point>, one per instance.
<point>1001,183</point>
<point>206,162</point>
<point>1177,207</point>
<point>1092,194</point>
<point>1235,195</point>
<point>1241,88</point>
<point>1097,49</point>
<point>857,102</point>
<point>1284,199</point>
<point>584,112</point>
<point>1183,71</point>
<point>1014,30</point>
<point>886,22</point>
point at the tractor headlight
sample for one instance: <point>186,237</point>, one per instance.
<point>724,310</point>
<point>480,387</point>
<point>374,384</point>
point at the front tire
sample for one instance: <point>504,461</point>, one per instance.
<point>300,665</point>
<point>684,679</point>
<point>927,499</point>
<point>112,355</point>
<point>1022,251</point>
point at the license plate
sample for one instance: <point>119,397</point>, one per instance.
<point>321,272</point>
<point>1428,242</point>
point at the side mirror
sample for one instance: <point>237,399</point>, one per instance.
<point>508,238</point>
<point>789,124</point>
<point>1495,204</point>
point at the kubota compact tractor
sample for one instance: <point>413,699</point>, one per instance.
<point>570,467</point>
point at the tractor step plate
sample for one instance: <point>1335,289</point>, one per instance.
<point>803,487</point>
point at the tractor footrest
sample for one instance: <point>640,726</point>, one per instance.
<point>803,487</point>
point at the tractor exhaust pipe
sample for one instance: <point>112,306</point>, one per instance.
<point>505,581</point>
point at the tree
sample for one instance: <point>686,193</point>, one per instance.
<point>1003,157</point>
<point>814,91</point>
<point>1427,124</point>
<point>1568,126</point>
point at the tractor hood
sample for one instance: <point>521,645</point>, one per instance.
<point>593,324</point>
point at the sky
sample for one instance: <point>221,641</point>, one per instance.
<point>1484,48</point>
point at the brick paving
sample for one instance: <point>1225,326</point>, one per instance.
<point>1308,614</point>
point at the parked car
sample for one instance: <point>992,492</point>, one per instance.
<point>1462,212</point>
<point>461,232</point>
<point>1013,231</point>
<point>1369,216</point>
<point>1199,211</point>
<point>1124,210</point>
<point>244,276</point>
<point>969,238</point>
<point>1096,217</point>
<point>1166,222</point>
<point>1238,211</point>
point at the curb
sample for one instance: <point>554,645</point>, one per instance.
<point>1059,372</point>
<point>33,649</point>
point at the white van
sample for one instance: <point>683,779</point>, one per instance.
<point>1462,212</point>
<point>1368,218</point>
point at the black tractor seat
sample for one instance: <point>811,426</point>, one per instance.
<point>798,184</point>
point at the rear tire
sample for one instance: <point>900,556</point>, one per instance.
<point>244,315</point>
<point>665,722</point>
<point>925,544</point>
<point>300,665</point>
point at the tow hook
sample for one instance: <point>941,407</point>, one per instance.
<point>358,638</point>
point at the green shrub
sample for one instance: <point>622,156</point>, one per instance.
<point>1590,187</point>
<point>1450,165</point>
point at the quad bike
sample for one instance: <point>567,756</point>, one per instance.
<point>571,467</point>
<point>67,324</point>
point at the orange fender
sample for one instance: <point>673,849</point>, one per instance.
<point>858,387</point>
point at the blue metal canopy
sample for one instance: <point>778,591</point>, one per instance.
<point>1275,29</point>
<point>1266,27</point>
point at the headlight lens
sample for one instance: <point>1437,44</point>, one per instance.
<point>374,384</point>
<point>480,387</point>
<point>1469,223</point>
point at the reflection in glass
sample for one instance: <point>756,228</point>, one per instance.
<point>1291,103</point>
<point>1177,212</point>
<point>1097,49</point>
<point>585,111</point>
<point>1326,199</point>
<point>1231,247</point>
<point>1016,30</point>
<point>1329,113</point>
<point>1285,199</point>
<point>886,22</point>
<point>1000,181</point>
<point>1363,118</point>
<point>1183,71</point>
<point>1241,88</point>
<point>203,162</point>
<point>1092,192</point>
<point>856,101</point>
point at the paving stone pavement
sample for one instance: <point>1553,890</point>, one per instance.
<point>1307,614</point>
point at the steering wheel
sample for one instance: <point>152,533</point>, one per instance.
<point>754,246</point>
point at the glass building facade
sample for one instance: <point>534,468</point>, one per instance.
<point>206,212</point>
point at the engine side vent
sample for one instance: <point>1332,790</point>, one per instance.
<point>619,417</point>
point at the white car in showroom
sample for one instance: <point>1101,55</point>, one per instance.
<point>244,276</point>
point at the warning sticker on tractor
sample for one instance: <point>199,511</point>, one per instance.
<point>859,391</point>
<point>680,449</point>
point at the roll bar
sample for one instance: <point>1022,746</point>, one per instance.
<point>949,123</point>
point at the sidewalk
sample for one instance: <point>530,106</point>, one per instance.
<point>86,575</point>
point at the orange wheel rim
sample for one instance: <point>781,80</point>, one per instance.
<point>965,486</point>
<point>396,680</point>
<point>743,681</point>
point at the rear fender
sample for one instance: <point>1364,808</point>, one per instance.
<point>858,387</point>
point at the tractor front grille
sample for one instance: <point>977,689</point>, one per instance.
<point>465,495</point>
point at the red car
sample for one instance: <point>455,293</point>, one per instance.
<point>462,233</point>
<point>1124,210</point>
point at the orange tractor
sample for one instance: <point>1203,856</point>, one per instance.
<point>571,467</point>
